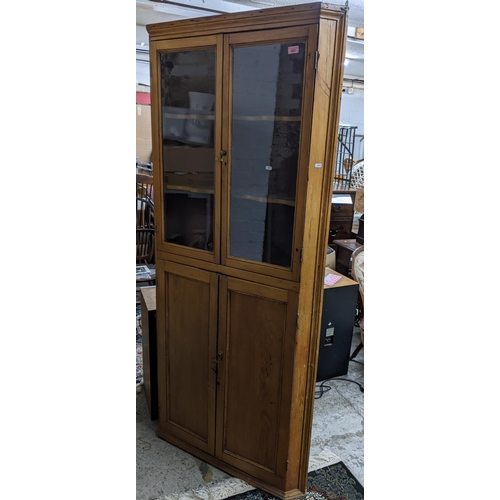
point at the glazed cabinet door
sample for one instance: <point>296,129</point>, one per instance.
<point>187,341</point>
<point>257,327</point>
<point>267,114</point>
<point>186,103</point>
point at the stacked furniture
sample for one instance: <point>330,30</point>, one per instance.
<point>342,215</point>
<point>245,112</point>
<point>145,229</point>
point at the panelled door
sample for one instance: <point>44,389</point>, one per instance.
<point>257,326</point>
<point>187,342</point>
<point>228,353</point>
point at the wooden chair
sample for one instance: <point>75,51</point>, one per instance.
<point>144,201</point>
<point>358,275</point>
<point>145,228</point>
<point>145,245</point>
<point>144,214</point>
<point>145,248</point>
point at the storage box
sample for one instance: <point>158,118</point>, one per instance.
<point>360,33</point>
<point>144,145</point>
<point>330,258</point>
<point>174,122</point>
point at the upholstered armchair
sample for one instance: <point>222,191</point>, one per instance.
<point>358,275</point>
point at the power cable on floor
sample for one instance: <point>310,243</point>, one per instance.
<point>356,361</point>
<point>322,388</point>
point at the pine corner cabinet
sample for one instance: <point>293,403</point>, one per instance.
<point>245,112</point>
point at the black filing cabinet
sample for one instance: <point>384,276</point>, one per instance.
<point>339,312</point>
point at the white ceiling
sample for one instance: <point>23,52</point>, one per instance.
<point>157,11</point>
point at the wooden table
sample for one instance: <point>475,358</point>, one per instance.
<point>149,351</point>
<point>343,250</point>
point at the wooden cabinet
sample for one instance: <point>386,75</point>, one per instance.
<point>343,251</point>
<point>245,111</point>
<point>342,215</point>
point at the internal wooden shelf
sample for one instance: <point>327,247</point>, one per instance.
<point>268,118</point>
<point>201,190</point>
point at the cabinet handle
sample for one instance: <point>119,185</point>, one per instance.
<point>336,208</point>
<point>222,153</point>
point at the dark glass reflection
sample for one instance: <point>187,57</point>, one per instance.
<point>188,97</point>
<point>267,105</point>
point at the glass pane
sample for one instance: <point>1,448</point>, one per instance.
<point>188,97</point>
<point>266,117</point>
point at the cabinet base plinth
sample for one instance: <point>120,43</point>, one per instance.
<point>229,469</point>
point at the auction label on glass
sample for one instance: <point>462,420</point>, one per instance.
<point>293,50</point>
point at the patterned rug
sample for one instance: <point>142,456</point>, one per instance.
<point>334,482</point>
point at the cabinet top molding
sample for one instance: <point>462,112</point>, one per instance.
<point>292,15</point>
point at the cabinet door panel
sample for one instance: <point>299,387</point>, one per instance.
<point>268,106</point>
<point>188,311</point>
<point>189,100</point>
<point>257,327</point>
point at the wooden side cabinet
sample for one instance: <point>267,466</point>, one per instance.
<point>341,215</point>
<point>337,324</point>
<point>245,112</point>
<point>149,349</point>
<point>343,251</point>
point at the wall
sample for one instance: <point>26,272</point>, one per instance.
<point>352,113</point>
<point>142,78</point>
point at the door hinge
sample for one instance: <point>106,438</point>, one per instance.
<point>301,255</point>
<point>287,465</point>
<point>316,58</point>
<point>297,320</point>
